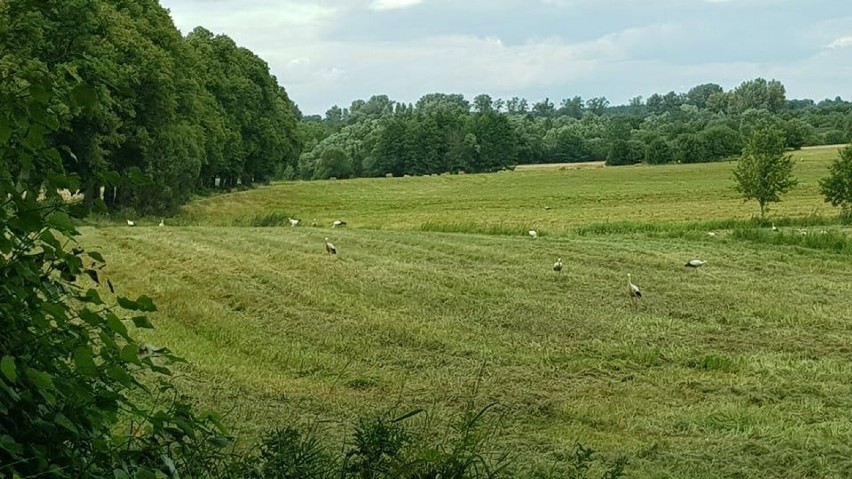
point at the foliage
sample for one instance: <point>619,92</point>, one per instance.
<point>190,113</point>
<point>625,152</point>
<point>70,370</point>
<point>658,152</point>
<point>837,186</point>
<point>764,172</point>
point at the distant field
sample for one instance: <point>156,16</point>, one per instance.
<point>561,166</point>
<point>742,368</point>
<point>516,200</point>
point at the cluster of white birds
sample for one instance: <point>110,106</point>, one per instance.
<point>133,223</point>
<point>297,222</point>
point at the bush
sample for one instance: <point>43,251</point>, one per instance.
<point>690,148</point>
<point>658,152</point>
<point>625,152</point>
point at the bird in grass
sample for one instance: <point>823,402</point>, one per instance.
<point>533,234</point>
<point>338,223</point>
<point>546,208</point>
<point>131,223</point>
<point>694,263</point>
<point>774,228</point>
<point>329,248</point>
<point>557,266</point>
<point>162,222</point>
<point>635,292</point>
<point>294,221</point>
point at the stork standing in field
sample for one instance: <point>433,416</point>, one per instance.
<point>329,248</point>
<point>695,263</point>
<point>774,228</point>
<point>338,223</point>
<point>557,266</point>
<point>533,234</point>
<point>131,223</point>
<point>633,290</point>
<point>162,222</point>
<point>294,221</point>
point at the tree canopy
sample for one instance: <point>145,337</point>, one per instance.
<point>447,133</point>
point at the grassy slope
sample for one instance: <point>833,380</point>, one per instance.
<point>740,368</point>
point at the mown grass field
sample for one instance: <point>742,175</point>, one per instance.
<point>516,200</point>
<point>742,368</point>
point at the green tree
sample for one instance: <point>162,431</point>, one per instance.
<point>837,186</point>
<point>690,148</point>
<point>721,141</point>
<point>764,172</point>
<point>625,152</point>
<point>658,152</point>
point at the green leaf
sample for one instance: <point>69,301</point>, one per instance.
<point>61,221</point>
<point>93,274</point>
<point>8,444</point>
<point>40,379</point>
<point>79,210</point>
<point>7,367</point>
<point>116,325</point>
<point>84,362</point>
<point>119,374</point>
<point>63,421</point>
<point>127,304</point>
<point>120,474</point>
<point>92,296</point>
<point>129,354</point>
<point>96,256</point>
<point>142,322</point>
<point>146,304</point>
<point>90,317</point>
<point>220,442</point>
<point>143,303</point>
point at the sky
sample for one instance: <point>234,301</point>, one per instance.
<point>331,52</point>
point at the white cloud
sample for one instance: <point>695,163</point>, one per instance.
<point>841,42</point>
<point>380,5</point>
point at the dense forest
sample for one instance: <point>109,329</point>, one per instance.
<point>172,115</point>
<point>447,133</point>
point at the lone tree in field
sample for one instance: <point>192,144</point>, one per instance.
<point>764,172</point>
<point>837,186</point>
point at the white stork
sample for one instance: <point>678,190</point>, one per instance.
<point>533,234</point>
<point>633,290</point>
<point>131,223</point>
<point>329,248</point>
<point>294,221</point>
<point>557,266</point>
<point>338,223</point>
<point>162,223</point>
<point>774,228</point>
<point>694,263</point>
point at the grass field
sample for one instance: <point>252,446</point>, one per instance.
<point>742,368</point>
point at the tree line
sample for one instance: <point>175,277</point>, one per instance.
<point>447,133</point>
<point>170,116</point>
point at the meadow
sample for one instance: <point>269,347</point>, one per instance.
<point>438,300</point>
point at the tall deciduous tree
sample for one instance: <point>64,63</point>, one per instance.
<point>764,172</point>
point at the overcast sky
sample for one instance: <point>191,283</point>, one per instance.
<point>328,52</point>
